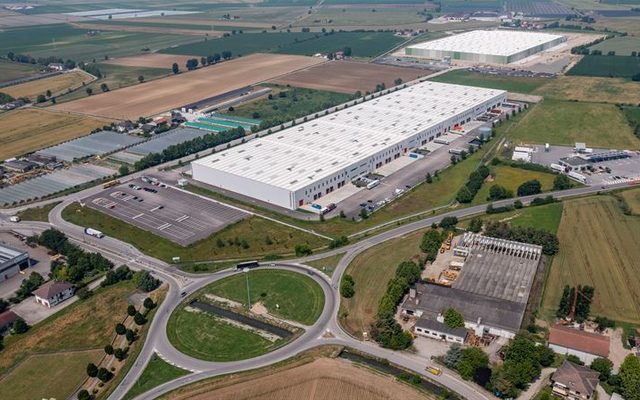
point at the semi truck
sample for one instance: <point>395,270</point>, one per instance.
<point>94,233</point>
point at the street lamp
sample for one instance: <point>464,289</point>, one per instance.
<point>246,271</point>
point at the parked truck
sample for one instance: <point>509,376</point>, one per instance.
<point>94,233</point>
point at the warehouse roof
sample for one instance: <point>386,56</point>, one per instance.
<point>587,342</point>
<point>294,157</point>
<point>433,325</point>
<point>497,42</point>
<point>9,253</point>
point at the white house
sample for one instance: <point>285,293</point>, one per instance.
<point>53,292</point>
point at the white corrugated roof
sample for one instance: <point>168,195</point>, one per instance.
<point>294,157</point>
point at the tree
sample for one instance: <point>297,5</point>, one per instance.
<point>123,170</point>
<point>448,222</point>
<point>3,305</point>
<point>89,91</point>
<point>131,310</point>
<point>498,192</point>
<point>20,326</point>
<point>192,64</point>
<point>473,358</point>
<point>562,182</point>
<point>475,225</point>
<point>428,178</point>
<point>565,302</point>
<point>120,354</point>
<point>453,318</point>
<point>104,87</point>
<point>140,78</point>
<point>145,281</point>
<point>347,51</point>
<point>630,377</point>
<point>131,336</point>
<point>108,349</point>
<point>303,250</point>
<point>139,319</point>
<point>603,366</point>
<point>92,370</point>
<point>41,98</point>
<point>453,356</point>
<point>530,187</point>
<point>226,54</point>
<point>464,195</point>
<point>347,286</point>
<point>120,329</point>
<point>84,395</point>
<point>364,214</point>
<point>148,303</point>
<point>175,68</point>
<point>575,359</point>
<point>29,285</point>
<point>104,375</point>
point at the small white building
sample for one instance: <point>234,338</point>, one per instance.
<point>56,67</point>
<point>522,153</point>
<point>53,292</point>
<point>439,331</point>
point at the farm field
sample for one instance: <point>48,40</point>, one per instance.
<point>253,230</point>
<point>153,97</point>
<point>58,84</point>
<point>10,71</point>
<point>632,114</point>
<point>349,76</point>
<point>371,271</point>
<point>598,247</point>
<point>48,376</point>
<point>32,129</point>
<point>510,178</point>
<point>210,27</point>
<point>323,378</point>
<point>508,83</point>
<point>590,89</point>
<point>207,20</point>
<point>372,16</point>
<point>622,45</point>
<point>155,373</point>
<point>68,42</point>
<point>564,123</point>
<point>116,77</point>
<point>299,298</point>
<point>632,198</point>
<point>606,66</point>
<point>152,60</point>
<point>362,44</point>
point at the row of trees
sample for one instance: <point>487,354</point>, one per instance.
<point>193,63</point>
<point>44,61</point>
<point>502,230</point>
<point>583,296</point>
<point>473,184</point>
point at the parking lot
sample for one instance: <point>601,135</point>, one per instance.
<point>180,217</point>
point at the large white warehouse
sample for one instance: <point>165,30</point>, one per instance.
<point>298,165</point>
<point>495,47</point>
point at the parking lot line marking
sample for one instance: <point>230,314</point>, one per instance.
<point>184,217</point>
<point>137,216</point>
<point>163,227</point>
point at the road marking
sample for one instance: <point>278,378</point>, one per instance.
<point>163,227</point>
<point>137,216</point>
<point>184,217</point>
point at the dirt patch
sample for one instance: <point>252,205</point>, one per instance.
<point>154,60</point>
<point>259,309</point>
<point>223,300</point>
<point>321,379</point>
<point>350,76</point>
<point>178,90</point>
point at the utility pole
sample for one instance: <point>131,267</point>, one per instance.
<point>246,271</point>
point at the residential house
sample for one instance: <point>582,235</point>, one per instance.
<point>574,382</point>
<point>56,67</point>
<point>53,292</point>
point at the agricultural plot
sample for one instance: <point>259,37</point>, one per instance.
<point>607,66</point>
<point>57,84</point>
<point>161,25</point>
<point>564,123</point>
<point>622,45</point>
<point>371,16</point>
<point>598,247</point>
<point>10,71</point>
<point>632,198</point>
<point>590,89</point>
<point>153,60</point>
<point>508,83</point>
<point>31,129</point>
<point>175,91</point>
<point>362,44</point>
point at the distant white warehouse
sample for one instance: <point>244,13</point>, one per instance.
<point>298,165</point>
<point>493,47</point>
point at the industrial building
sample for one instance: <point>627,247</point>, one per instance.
<point>586,346</point>
<point>492,47</point>
<point>10,261</point>
<point>491,291</point>
<point>300,164</point>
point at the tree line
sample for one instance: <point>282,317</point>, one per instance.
<point>502,230</point>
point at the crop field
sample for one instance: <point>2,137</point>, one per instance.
<point>591,89</point>
<point>349,77</point>
<point>48,376</point>
<point>56,84</point>
<point>159,25</point>
<point>622,45</point>
<point>362,44</point>
<point>153,97</point>
<point>371,16</point>
<point>598,247</point>
<point>153,60</point>
<point>371,271</point>
<point>607,66</point>
<point>323,378</point>
<point>508,83</point>
<point>564,123</point>
<point>510,178</point>
<point>299,298</point>
<point>31,129</point>
<point>632,198</point>
<point>253,230</point>
<point>10,71</point>
<point>207,20</point>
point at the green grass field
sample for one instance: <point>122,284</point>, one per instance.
<point>66,41</point>
<point>253,230</point>
<point>299,298</point>
<point>511,178</point>
<point>607,66</point>
<point>155,373</point>
<point>590,89</point>
<point>545,217</point>
<point>622,45</point>
<point>598,247</point>
<point>564,123</point>
<point>326,265</point>
<point>203,336</point>
<point>362,44</point>
<point>213,26</point>
<point>10,71</point>
<point>37,213</point>
<point>362,17</point>
<point>511,84</point>
<point>48,376</point>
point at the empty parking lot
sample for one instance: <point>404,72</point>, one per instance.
<point>180,217</point>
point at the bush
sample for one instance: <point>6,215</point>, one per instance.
<point>530,187</point>
<point>145,281</point>
<point>475,225</point>
<point>20,326</point>
<point>92,370</point>
<point>120,354</point>
<point>448,222</point>
<point>120,329</point>
<point>84,395</point>
<point>498,192</point>
<point>303,250</point>
<point>347,286</point>
<point>139,319</point>
<point>339,242</point>
<point>131,336</point>
<point>562,182</point>
<point>603,366</point>
<point>108,349</point>
<point>453,318</point>
<point>104,375</point>
<point>131,310</point>
<point>148,303</point>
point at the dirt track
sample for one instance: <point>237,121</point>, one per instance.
<point>165,94</point>
<point>349,76</point>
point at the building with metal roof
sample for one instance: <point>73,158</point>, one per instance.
<point>10,261</point>
<point>494,47</point>
<point>299,164</point>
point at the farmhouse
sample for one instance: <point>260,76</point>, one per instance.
<point>53,292</point>
<point>491,291</point>
<point>574,382</point>
<point>10,261</point>
<point>494,47</point>
<point>584,345</point>
<point>302,163</point>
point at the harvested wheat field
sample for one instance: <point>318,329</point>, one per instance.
<point>153,60</point>
<point>321,379</point>
<point>31,129</point>
<point>58,84</point>
<point>178,90</point>
<point>350,76</point>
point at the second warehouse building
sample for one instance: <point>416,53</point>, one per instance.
<point>298,165</point>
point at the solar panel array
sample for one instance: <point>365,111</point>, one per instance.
<point>99,143</point>
<point>164,140</point>
<point>52,183</point>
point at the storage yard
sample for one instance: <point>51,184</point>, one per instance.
<point>175,91</point>
<point>302,163</point>
<point>350,76</point>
